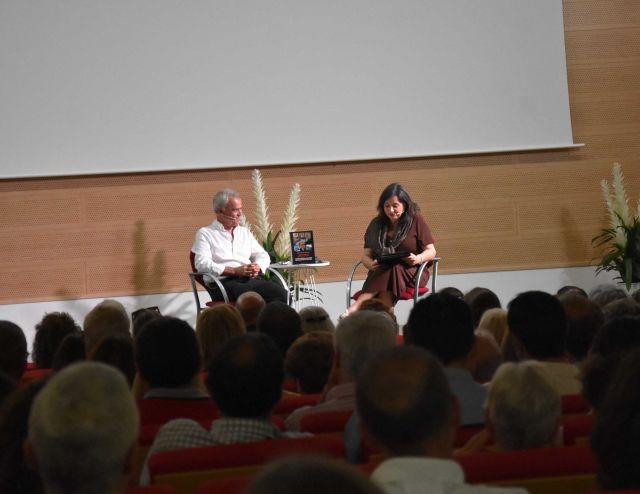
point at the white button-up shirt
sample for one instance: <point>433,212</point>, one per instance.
<point>215,248</point>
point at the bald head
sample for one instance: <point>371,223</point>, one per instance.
<point>250,304</point>
<point>404,401</point>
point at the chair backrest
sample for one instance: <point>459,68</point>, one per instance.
<point>192,262</point>
<point>325,422</point>
<point>185,469</point>
<point>150,489</point>
<point>232,485</point>
<point>576,429</point>
<point>290,402</point>
<point>33,374</point>
<point>528,463</point>
<point>160,410</point>
<point>574,404</point>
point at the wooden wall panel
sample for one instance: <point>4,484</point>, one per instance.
<point>93,236</point>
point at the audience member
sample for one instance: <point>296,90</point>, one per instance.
<point>82,429</point>
<point>616,435</point>
<point>141,317</point>
<point>615,338</point>
<point>576,290</point>
<point>453,291</point>
<point>494,321</point>
<point>443,325</point>
<point>7,386</point>
<point>245,379</point>
<point>311,476</point>
<point>281,323</point>
<point>621,307</point>
<point>70,350</point>
<point>358,337</point>
<point>16,477</point>
<point>636,295</point>
<point>315,318</point>
<point>250,304</point>
<point>481,299</point>
<point>523,409</point>
<point>584,320</point>
<point>13,350</point>
<point>538,330</point>
<point>485,357</point>
<point>116,350</point>
<point>50,331</point>
<point>309,361</point>
<point>408,411</point>
<point>168,360</point>
<point>379,305</point>
<point>606,292</point>
<point>106,318</point>
<point>215,326</point>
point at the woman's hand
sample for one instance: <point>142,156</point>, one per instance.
<point>413,259</point>
<point>373,265</point>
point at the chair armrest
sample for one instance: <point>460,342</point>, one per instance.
<point>282,281</point>
<point>350,281</point>
<point>193,276</point>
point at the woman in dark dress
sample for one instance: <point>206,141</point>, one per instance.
<point>399,227</point>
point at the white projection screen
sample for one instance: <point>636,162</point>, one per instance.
<point>141,85</point>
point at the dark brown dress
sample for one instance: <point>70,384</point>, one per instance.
<point>397,277</point>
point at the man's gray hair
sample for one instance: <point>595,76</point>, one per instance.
<point>524,406</point>
<point>362,335</point>
<point>221,198</point>
<point>82,427</point>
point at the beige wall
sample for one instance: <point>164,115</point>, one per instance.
<point>129,234</point>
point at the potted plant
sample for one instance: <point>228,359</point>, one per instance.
<point>620,242</point>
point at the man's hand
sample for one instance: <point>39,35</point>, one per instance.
<point>247,270</point>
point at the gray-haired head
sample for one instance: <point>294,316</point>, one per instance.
<point>606,292</point>
<point>524,407</point>
<point>82,427</point>
<point>315,318</point>
<point>221,198</point>
<point>360,336</point>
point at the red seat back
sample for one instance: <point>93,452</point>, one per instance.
<point>528,463</point>
<point>325,422</point>
<point>160,410</point>
<point>226,456</point>
<point>575,427</point>
<point>192,262</point>
<point>234,485</point>
<point>150,489</point>
<point>574,404</point>
<point>290,402</point>
<point>31,374</point>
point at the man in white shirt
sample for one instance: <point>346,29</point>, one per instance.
<point>407,409</point>
<point>229,250</point>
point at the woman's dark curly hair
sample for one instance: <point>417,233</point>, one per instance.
<point>49,333</point>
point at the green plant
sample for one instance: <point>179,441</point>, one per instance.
<point>620,242</point>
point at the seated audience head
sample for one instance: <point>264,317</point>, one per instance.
<point>621,307</point>
<point>494,321</point>
<point>480,300</point>
<point>485,356</point>
<point>453,291</point>
<point>281,323</point>
<point>167,353</point>
<point>245,377</point>
<point>309,361</point>
<point>584,320</point>
<point>615,438</point>
<point>405,403</point>
<point>636,295</point>
<point>7,386</point>
<point>616,337</point>
<point>83,426</point>
<point>140,317</point>
<point>13,350</point>
<point>523,406</point>
<point>575,290</point>
<point>538,326</point>
<point>16,476</point>
<point>215,326</point>
<point>311,476</point>
<point>607,292</point>
<point>70,350</point>
<point>250,304</point>
<point>359,337</point>
<point>116,350</point>
<point>443,325</point>
<point>50,331</point>
<point>315,318</point>
<point>379,305</point>
<point>106,318</point>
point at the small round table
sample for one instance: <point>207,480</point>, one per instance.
<point>302,281</point>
